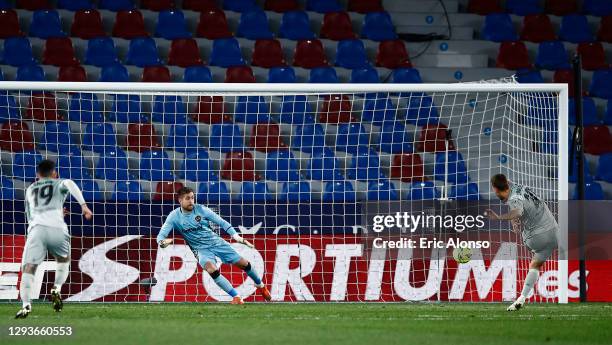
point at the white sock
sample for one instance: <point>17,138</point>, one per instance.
<point>25,289</point>
<point>61,273</point>
<point>530,280</point>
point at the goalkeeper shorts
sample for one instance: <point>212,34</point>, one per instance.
<point>542,245</point>
<point>221,250</point>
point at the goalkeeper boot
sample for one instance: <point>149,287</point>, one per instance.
<point>518,304</point>
<point>265,293</point>
<point>23,312</point>
<point>56,299</point>
<point>237,300</point>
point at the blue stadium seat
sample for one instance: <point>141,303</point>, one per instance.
<point>6,5</point>
<point>323,165</point>
<point>281,166</point>
<point>339,191</point>
<point>527,76</point>
<point>99,137</point>
<point>253,25</point>
<point>169,110</point>
<point>351,136</point>
<point>183,138</point>
<point>601,84</point>
<point>365,76</point>
<point>17,52</point>
<point>498,27</point>
<point>116,5</point>
<point>608,114</point>
<point>378,110</point>
<point>295,110</point>
<point>113,165</point>
<point>604,168</point>
<point>323,75</point>
<point>588,177</point>
<point>85,108</point>
<point>454,171</point>
<point>421,111</point>
<point>30,73</point>
<point>395,139</point>
<point>171,25</point>
<point>295,192</point>
<point>407,76</point>
<point>91,190</point>
<point>589,112</point>
<point>75,5</point>
<point>198,167</point>
<point>72,167</point>
<point>8,108</point>
<point>115,73</point>
<point>464,191</point>
<point>225,137</point>
<point>281,75</point>
<point>252,109</point>
<point>552,56</point>
<point>592,191</point>
<point>226,53</point>
<point>127,191</point>
<point>24,165</point>
<point>351,54</point>
<point>127,109</point>
<point>197,74</point>
<point>295,25</point>
<point>382,189</point>
<point>101,52</point>
<point>7,189</point>
<point>240,5</point>
<point>46,24</point>
<point>143,52</point>
<point>323,6</point>
<point>213,192</point>
<point>253,192</point>
<point>58,138</point>
<point>423,190</point>
<point>597,8</point>
<point>308,137</point>
<point>365,165</point>
<point>155,166</point>
<point>378,26</point>
<point>524,7</point>
<point>575,28</point>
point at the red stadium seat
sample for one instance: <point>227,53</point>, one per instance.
<point>210,110</point>
<point>184,52</point>
<point>166,191</point>
<point>537,28</point>
<point>392,54</point>
<point>87,24</point>
<point>59,52</point>
<point>15,136</point>
<point>604,33</point>
<point>213,25</point>
<point>561,7</point>
<point>34,5</point>
<point>141,137</point>
<point>564,76</point>
<point>266,138</point>
<point>309,54</point>
<point>9,24</point>
<point>337,26</point>
<point>484,7</point>
<point>43,107</point>
<point>597,140</point>
<point>239,166</point>
<point>157,5</point>
<point>200,5</point>
<point>129,24</point>
<point>408,167</point>
<point>593,56</point>
<point>268,54</point>
<point>72,73</point>
<point>336,109</point>
<point>156,74</point>
<point>513,55</point>
<point>433,138</point>
<point>239,74</point>
<point>281,6</point>
<point>365,6</point>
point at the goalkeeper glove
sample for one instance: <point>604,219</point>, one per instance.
<point>239,239</point>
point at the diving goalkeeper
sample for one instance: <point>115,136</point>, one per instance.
<point>193,222</point>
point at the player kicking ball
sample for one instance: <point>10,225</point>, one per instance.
<point>539,231</point>
<point>193,222</point>
<point>47,232</point>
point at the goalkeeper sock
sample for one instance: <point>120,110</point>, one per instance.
<point>530,280</point>
<point>224,284</point>
<point>250,271</point>
<point>25,289</point>
<point>61,273</point>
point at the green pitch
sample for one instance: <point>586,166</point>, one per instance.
<point>308,324</point>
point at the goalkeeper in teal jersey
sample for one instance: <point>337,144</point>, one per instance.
<point>193,222</point>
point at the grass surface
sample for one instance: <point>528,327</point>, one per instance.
<point>296,324</point>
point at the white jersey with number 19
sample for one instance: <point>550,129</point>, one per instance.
<point>45,201</point>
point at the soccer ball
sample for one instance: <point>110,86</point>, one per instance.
<point>462,255</point>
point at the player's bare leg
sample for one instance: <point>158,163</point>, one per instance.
<point>61,273</point>
<point>530,280</point>
<point>25,290</point>
<point>244,265</point>
<point>222,282</point>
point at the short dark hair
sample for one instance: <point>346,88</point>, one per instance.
<point>500,181</point>
<point>182,191</point>
<point>45,168</point>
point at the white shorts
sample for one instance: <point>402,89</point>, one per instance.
<point>43,239</point>
<point>542,245</point>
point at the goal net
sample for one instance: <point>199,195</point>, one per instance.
<point>302,171</point>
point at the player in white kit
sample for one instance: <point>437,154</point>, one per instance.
<point>539,227</point>
<point>47,231</point>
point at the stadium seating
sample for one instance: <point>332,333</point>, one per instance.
<point>365,6</point>
<point>552,56</point>
<point>423,190</point>
<point>351,136</point>
<point>75,5</point>
<point>239,74</point>
<point>226,53</point>
<point>498,27</point>
<point>601,84</point>
<point>308,137</point>
<point>46,24</point>
<point>113,165</point>
<point>395,139</point>
<point>295,25</point>
<point>166,191</point>
<point>268,54</point>
<point>484,7</point>
<point>339,191</point>
<point>597,7</point>
<point>127,191</point>
<point>378,110</point>
<point>156,74</point>
<point>392,54</point>
<point>407,167</point>
<point>8,108</point>
<point>421,111</point>
<point>433,138</point>
<point>116,5</point>
<point>406,75</point>
<point>101,52</point>
<point>309,54</point>
<point>253,25</point>
<point>239,166</point>
<point>351,54</point>
<point>323,75</point>
<point>72,73</point>
<point>87,24</point>
<point>523,7</point>
<point>604,33</point>
<point>335,109</point>
<point>597,140</point>
<point>30,73</point>
<point>72,167</point>
<point>213,192</point>
<point>210,109</point>
<point>467,191</point>
<point>365,165</point>
<point>198,167</point>
<point>281,6</point>
<point>240,5</point>
<point>252,109</point>
<point>225,137</point>
<point>537,28</point>
<point>7,190</point>
<point>513,55</point>
<point>323,6</point>
<point>15,136</point>
<point>17,52</point>
<point>24,165</point>
<point>592,191</point>
<point>382,190</point>
<point>155,166</point>
<point>295,110</point>
<point>377,26</point>
<point>169,110</point>
<point>171,25</point>
<point>323,165</point>
<point>42,107</point>
<point>85,108</point>
<point>183,138</point>
<point>197,74</point>
<point>266,137</point>
<point>295,192</point>
<point>337,26</point>
<point>99,137</point>
<point>127,109</point>
<point>561,7</point>
<point>575,28</point>
<point>213,25</point>
<point>281,166</point>
<point>142,52</point>
<point>57,137</point>
<point>114,73</point>
<point>129,24</point>
<point>593,56</point>
<point>450,167</point>
<point>142,137</point>
<point>200,5</point>
<point>589,112</point>
<point>9,24</point>
<point>256,191</point>
<point>365,75</point>
<point>59,52</point>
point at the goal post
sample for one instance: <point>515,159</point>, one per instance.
<point>299,169</point>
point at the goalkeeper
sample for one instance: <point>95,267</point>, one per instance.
<point>193,222</point>
<point>539,227</point>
